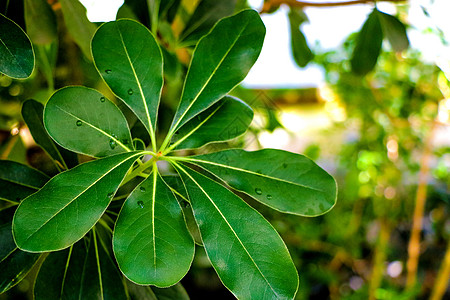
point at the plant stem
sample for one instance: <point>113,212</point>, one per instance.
<point>414,242</point>
<point>442,279</point>
<point>380,258</point>
<point>268,5</point>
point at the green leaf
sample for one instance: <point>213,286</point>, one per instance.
<point>284,181</point>
<point>395,32</point>
<point>368,45</point>
<point>14,263</point>
<point>78,25</point>
<point>84,271</point>
<point>174,292</point>
<point>134,70</point>
<point>245,250</point>
<point>206,14</point>
<point>40,21</point>
<point>83,120</point>
<point>220,61</point>
<point>67,207</point>
<point>32,113</point>
<point>16,51</point>
<point>18,181</point>
<point>225,120</point>
<point>300,49</point>
<point>151,242</point>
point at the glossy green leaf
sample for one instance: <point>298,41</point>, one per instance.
<point>206,14</point>
<point>83,120</point>
<point>220,61</point>
<point>151,242</point>
<point>245,250</point>
<point>78,25</point>
<point>40,21</point>
<point>18,181</point>
<point>69,205</point>
<point>395,31</point>
<point>16,51</point>
<point>33,115</point>
<point>368,45</point>
<point>300,49</point>
<point>84,271</point>
<point>285,181</point>
<point>14,263</point>
<point>225,120</point>
<point>134,70</point>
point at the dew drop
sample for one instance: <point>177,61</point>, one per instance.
<point>112,144</point>
<point>130,92</point>
<point>269,197</point>
<point>258,191</point>
<point>142,189</point>
<point>108,71</point>
<point>141,204</point>
<point>79,123</point>
<point>102,99</point>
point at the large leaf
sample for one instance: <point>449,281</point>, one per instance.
<point>33,115</point>
<point>40,21</point>
<point>206,14</point>
<point>223,121</point>
<point>245,250</point>
<point>284,181</point>
<point>14,263</point>
<point>18,181</point>
<point>395,31</point>
<point>83,120</point>
<point>300,49</point>
<point>78,25</point>
<point>151,242</point>
<point>220,61</point>
<point>16,51</point>
<point>368,45</point>
<point>67,207</point>
<point>133,70</point>
<point>84,271</point>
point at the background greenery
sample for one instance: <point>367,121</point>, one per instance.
<point>385,140</point>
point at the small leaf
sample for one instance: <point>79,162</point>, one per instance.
<point>133,69</point>
<point>18,181</point>
<point>220,61</point>
<point>300,49</point>
<point>67,207</point>
<point>368,45</point>
<point>225,120</point>
<point>81,272</point>
<point>32,113</point>
<point>395,32</point>
<point>78,25</point>
<point>14,263</point>
<point>284,181</point>
<point>245,250</point>
<point>151,242</point>
<point>40,21</point>
<point>16,51</point>
<point>206,14</point>
<point>83,120</point>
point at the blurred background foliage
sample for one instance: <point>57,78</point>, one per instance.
<point>380,125</point>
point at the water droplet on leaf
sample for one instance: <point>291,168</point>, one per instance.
<point>142,189</point>
<point>130,92</point>
<point>112,144</point>
<point>269,197</point>
<point>102,99</point>
<point>258,191</point>
<point>79,123</point>
<point>141,204</point>
<point>108,71</point>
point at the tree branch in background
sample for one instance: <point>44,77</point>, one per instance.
<point>268,5</point>
<point>441,282</point>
